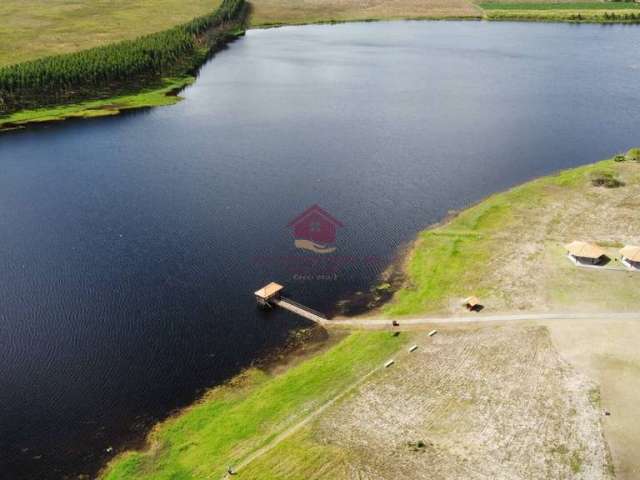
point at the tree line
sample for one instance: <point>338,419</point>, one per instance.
<point>99,71</point>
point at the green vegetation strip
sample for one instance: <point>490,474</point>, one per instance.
<point>561,6</point>
<point>235,420</point>
<point>163,94</point>
<point>630,16</point>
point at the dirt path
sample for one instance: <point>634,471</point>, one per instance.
<point>421,323</point>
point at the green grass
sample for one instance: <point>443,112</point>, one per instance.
<point>35,28</point>
<point>300,457</point>
<point>560,6</point>
<point>627,15</point>
<point>235,420</point>
<point>150,97</point>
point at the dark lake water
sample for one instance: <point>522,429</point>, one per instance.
<point>130,246</point>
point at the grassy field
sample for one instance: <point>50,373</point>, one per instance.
<point>595,12</point>
<point>560,6</point>
<point>234,420</point>
<point>566,15</point>
<point>34,28</point>
<point>277,12</point>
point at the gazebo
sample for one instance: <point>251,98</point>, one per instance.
<point>266,293</point>
<point>631,257</point>
<point>583,253</point>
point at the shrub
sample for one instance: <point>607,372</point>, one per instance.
<point>605,179</point>
<point>634,154</point>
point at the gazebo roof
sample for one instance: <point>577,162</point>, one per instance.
<point>631,252</point>
<point>269,290</point>
<point>584,249</point>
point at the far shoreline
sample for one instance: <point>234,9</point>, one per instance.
<point>168,92</point>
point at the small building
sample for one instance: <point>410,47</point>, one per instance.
<point>583,253</point>
<point>267,293</point>
<point>631,257</point>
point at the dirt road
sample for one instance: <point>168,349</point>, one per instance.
<point>425,322</point>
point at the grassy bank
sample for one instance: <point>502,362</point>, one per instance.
<point>235,420</point>
<point>162,94</point>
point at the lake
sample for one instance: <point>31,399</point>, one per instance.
<point>131,246</point>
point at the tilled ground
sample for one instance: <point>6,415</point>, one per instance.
<point>267,12</point>
<point>490,403</point>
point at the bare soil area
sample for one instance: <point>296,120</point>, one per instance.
<point>481,403</point>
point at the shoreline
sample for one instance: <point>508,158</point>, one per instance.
<point>128,461</point>
<point>169,89</point>
<point>301,345</point>
<point>249,386</point>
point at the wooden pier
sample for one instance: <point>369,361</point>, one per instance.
<point>271,296</point>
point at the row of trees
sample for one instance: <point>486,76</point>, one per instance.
<point>622,16</point>
<point>67,77</point>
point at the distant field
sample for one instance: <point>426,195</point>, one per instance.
<point>561,6</point>
<point>34,28</point>
<point>271,12</point>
